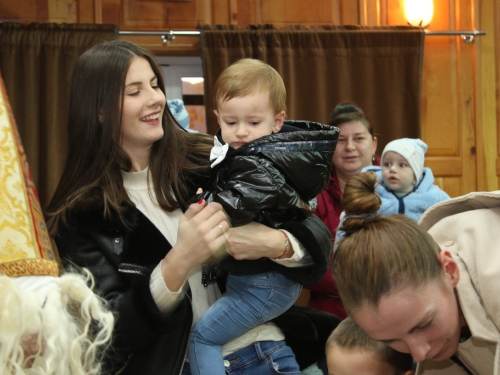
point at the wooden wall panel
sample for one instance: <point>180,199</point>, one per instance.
<point>282,13</point>
<point>220,12</point>
<point>438,102</point>
<point>163,15</point>
<point>24,11</point>
<point>245,12</point>
<point>374,13</point>
<point>450,185</point>
<point>292,12</point>
<point>487,100</point>
<point>350,12</point>
<point>112,12</point>
<point>89,11</point>
<point>63,10</point>
<point>396,12</point>
<point>460,82</point>
<point>495,31</point>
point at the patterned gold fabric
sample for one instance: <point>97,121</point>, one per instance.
<point>25,246</point>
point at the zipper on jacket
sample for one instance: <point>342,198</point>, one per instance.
<point>132,268</point>
<point>186,351</point>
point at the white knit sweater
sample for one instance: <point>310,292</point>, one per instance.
<point>142,195</point>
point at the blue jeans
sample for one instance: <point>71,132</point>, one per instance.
<point>260,358</point>
<point>248,302</point>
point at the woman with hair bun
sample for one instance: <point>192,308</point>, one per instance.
<point>430,289</point>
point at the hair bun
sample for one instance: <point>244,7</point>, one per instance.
<point>360,201</point>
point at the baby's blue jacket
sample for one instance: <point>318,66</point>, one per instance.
<point>424,195</point>
<point>413,204</point>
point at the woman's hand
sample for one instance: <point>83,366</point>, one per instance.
<point>255,241</point>
<point>202,234</point>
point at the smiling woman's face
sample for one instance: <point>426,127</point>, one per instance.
<point>355,148</point>
<point>424,321</point>
<point>143,106</point>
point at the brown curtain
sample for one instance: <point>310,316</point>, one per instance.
<point>35,63</point>
<point>379,68</point>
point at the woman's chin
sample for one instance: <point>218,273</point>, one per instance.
<point>445,353</point>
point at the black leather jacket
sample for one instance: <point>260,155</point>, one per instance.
<point>122,259</point>
<point>274,180</point>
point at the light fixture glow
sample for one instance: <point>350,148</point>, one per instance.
<point>419,12</point>
<point>192,80</point>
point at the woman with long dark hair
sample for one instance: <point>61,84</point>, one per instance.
<point>120,211</point>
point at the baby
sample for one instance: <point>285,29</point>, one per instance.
<point>407,187</point>
<point>350,351</point>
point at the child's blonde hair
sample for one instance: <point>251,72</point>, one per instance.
<point>348,335</point>
<point>247,76</point>
<point>52,325</point>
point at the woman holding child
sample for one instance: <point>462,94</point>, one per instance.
<point>430,289</point>
<point>119,211</point>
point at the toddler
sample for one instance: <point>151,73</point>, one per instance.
<point>350,351</point>
<point>268,170</point>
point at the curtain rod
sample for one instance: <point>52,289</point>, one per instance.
<point>169,36</point>
<point>166,36</point>
<point>467,36</point>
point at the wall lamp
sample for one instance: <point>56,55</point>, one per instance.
<point>419,12</point>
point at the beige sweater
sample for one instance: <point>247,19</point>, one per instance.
<point>468,227</point>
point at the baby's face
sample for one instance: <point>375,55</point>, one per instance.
<point>343,361</point>
<point>244,119</point>
<point>397,173</point>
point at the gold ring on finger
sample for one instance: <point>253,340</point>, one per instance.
<point>223,232</point>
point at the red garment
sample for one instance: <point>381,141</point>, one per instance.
<point>324,295</point>
<point>330,205</point>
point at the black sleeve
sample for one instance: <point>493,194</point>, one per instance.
<point>247,186</point>
<point>313,234</point>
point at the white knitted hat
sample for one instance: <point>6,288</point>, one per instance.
<point>413,150</point>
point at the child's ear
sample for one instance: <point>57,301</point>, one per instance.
<point>217,115</point>
<point>278,121</point>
